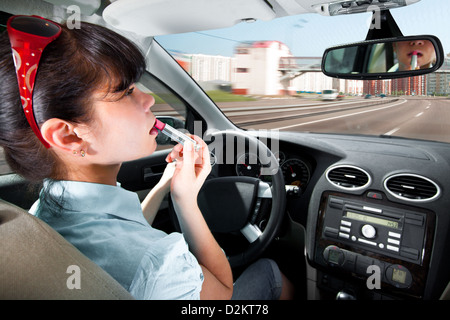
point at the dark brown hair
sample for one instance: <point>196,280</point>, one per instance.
<point>77,63</point>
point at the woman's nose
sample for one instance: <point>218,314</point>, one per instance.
<point>416,43</point>
<point>147,100</point>
<point>150,101</point>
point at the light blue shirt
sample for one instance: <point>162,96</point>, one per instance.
<point>107,225</point>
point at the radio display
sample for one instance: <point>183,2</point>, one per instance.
<point>370,219</point>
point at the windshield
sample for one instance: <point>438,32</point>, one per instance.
<point>266,75</point>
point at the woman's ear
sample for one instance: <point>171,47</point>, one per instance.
<point>61,135</point>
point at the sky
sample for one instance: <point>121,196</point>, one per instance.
<point>308,35</point>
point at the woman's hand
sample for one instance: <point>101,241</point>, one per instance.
<point>166,178</point>
<point>192,168</point>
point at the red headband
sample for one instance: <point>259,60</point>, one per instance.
<point>29,35</point>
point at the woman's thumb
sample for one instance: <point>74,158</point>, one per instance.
<point>188,153</point>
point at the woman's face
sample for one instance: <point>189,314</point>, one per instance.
<point>122,129</point>
<point>425,53</point>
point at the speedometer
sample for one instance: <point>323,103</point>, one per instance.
<point>295,172</point>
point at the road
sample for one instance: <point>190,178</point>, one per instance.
<point>412,117</point>
<point>421,118</point>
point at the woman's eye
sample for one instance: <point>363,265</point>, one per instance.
<point>129,92</point>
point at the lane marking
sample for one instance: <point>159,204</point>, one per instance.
<point>396,129</point>
<point>243,111</point>
<point>338,117</point>
<point>391,132</point>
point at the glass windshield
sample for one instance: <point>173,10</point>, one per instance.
<point>266,75</point>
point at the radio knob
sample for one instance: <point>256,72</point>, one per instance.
<point>368,231</point>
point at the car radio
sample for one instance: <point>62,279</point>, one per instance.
<point>392,232</point>
<point>355,232</point>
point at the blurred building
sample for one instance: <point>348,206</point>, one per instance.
<point>212,72</point>
<point>257,68</point>
<point>303,74</point>
<point>268,68</point>
<point>402,86</point>
<point>412,86</point>
<point>438,83</point>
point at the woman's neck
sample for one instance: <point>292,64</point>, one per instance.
<point>104,174</point>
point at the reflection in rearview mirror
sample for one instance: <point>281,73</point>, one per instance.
<point>386,58</point>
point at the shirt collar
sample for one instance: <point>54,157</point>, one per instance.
<point>97,198</point>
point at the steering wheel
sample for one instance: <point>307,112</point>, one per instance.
<point>232,204</point>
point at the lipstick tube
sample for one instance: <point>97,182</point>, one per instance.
<point>174,134</point>
<point>414,60</point>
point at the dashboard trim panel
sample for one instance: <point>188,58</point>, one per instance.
<point>418,271</point>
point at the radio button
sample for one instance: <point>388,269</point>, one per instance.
<point>368,231</point>
<point>346,223</point>
<point>331,232</point>
<point>392,248</point>
<point>344,235</point>
<point>410,253</point>
<point>336,203</point>
<point>367,241</point>
<point>415,219</point>
<point>393,241</point>
<point>394,234</point>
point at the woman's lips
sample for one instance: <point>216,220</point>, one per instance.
<point>418,53</point>
<point>153,130</point>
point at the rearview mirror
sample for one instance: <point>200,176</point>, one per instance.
<point>384,58</point>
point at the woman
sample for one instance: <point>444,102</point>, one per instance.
<point>89,117</point>
<point>422,51</point>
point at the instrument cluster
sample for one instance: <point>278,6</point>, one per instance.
<point>296,170</point>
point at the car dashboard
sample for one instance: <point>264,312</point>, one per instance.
<point>374,209</point>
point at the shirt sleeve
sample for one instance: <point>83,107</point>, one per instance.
<point>168,271</point>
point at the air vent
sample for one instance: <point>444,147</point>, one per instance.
<point>412,187</point>
<point>348,177</point>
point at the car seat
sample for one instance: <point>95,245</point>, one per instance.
<point>38,263</point>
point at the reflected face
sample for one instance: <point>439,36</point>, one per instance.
<point>405,50</point>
